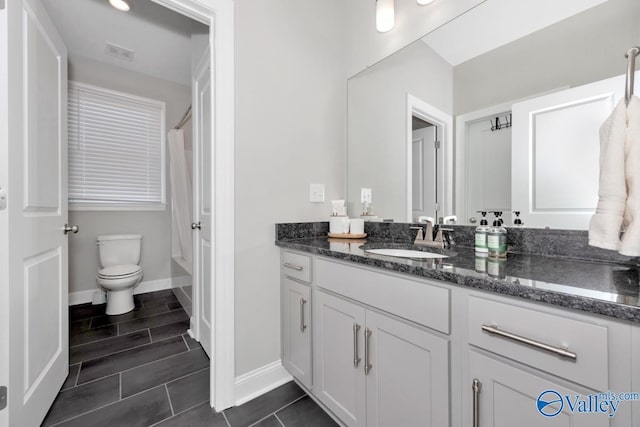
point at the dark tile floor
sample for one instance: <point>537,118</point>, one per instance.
<point>142,369</point>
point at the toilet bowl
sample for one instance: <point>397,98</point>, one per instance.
<point>119,257</point>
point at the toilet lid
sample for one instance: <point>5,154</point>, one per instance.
<point>119,271</point>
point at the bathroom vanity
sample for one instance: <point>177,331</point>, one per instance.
<point>382,341</point>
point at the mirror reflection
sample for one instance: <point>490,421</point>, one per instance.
<point>498,110</point>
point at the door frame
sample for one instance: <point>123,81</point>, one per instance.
<point>219,16</point>
<point>444,123</point>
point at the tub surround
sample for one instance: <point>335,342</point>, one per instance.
<point>550,266</point>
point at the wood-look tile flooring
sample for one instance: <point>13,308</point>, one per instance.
<point>142,369</point>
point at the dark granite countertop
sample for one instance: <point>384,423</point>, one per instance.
<point>605,288</point>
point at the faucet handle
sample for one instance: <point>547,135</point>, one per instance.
<point>452,218</point>
<point>420,234</point>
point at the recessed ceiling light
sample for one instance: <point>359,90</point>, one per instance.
<point>122,5</point>
<point>424,2</point>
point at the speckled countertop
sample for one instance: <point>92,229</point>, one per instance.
<point>606,288</point>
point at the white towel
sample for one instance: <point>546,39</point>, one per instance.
<point>604,230</point>
<point>630,244</point>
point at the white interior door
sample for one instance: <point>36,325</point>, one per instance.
<point>36,62</point>
<point>489,170</point>
<point>555,152</point>
<point>203,205</point>
<point>425,172</point>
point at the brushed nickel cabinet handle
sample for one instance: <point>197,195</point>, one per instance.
<point>196,225</point>
<point>475,386</point>
<point>356,359</point>
<point>293,266</point>
<point>367,365</point>
<point>559,351</point>
<point>302,325</point>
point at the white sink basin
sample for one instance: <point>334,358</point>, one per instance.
<point>405,253</point>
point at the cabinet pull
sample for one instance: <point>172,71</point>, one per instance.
<point>356,359</point>
<point>563,352</point>
<point>302,325</point>
<point>475,386</point>
<point>367,365</point>
<point>293,266</point>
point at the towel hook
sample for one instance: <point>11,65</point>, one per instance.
<point>631,69</point>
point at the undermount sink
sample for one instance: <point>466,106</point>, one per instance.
<point>405,253</point>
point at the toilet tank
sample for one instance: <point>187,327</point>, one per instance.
<point>119,249</point>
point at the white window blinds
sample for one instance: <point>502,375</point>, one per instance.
<point>116,148</point>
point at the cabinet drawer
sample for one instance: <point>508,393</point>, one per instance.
<point>529,331</point>
<point>297,266</point>
<point>419,302</point>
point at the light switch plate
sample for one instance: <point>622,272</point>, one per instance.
<point>365,195</point>
<point>316,193</point>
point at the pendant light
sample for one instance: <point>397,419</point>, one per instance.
<point>385,15</point>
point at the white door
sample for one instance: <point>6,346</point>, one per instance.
<point>296,338</point>
<point>488,170</point>
<point>425,172</point>
<point>408,382</point>
<point>339,379</point>
<point>508,396</point>
<point>36,144</point>
<point>202,204</point>
<point>555,152</point>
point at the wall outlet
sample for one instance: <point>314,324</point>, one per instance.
<point>365,195</point>
<point>316,193</point>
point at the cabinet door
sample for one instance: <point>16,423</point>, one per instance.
<point>297,330</point>
<point>338,339</point>
<point>508,397</point>
<point>408,379</point>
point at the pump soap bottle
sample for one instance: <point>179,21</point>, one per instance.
<point>481,235</point>
<point>497,238</point>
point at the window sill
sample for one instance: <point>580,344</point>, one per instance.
<point>116,207</point>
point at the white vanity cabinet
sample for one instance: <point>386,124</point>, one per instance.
<point>375,370</point>
<point>296,317</point>
<point>379,349</point>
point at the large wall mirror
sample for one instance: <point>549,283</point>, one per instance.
<point>499,109</point>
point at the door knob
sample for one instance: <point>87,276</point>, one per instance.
<point>195,225</point>
<point>73,229</point>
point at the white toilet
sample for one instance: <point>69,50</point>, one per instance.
<point>119,257</point>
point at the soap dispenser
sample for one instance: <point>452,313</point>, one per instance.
<point>481,235</point>
<point>497,238</point>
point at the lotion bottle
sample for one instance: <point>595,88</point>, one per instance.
<point>497,238</point>
<point>481,235</point>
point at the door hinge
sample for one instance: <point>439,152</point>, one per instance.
<point>3,392</point>
<point>437,144</point>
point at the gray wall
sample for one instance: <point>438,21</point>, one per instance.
<point>377,124</point>
<point>155,226</point>
<point>579,50</point>
<point>290,118</point>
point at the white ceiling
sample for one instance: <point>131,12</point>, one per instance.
<point>160,37</point>
<point>495,23</point>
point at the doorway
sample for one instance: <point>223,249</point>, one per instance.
<point>219,12</point>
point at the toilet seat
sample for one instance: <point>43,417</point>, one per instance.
<point>119,271</point>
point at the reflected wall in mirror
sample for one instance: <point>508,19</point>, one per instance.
<point>555,73</point>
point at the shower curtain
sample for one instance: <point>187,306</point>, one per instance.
<point>181,199</point>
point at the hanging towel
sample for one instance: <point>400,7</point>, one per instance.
<point>604,229</point>
<point>630,244</point>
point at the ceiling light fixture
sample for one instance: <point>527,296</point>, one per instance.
<point>385,15</point>
<point>424,2</point>
<point>122,5</point>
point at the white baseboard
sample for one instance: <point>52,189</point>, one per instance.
<point>81,297</point>
<point>181,281</point>
<point>255,383</point>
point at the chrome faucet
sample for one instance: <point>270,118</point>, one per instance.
<point>427,238</point>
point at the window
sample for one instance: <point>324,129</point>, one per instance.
<point>116,150</point>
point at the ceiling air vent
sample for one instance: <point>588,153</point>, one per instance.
<point>119,52</point>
